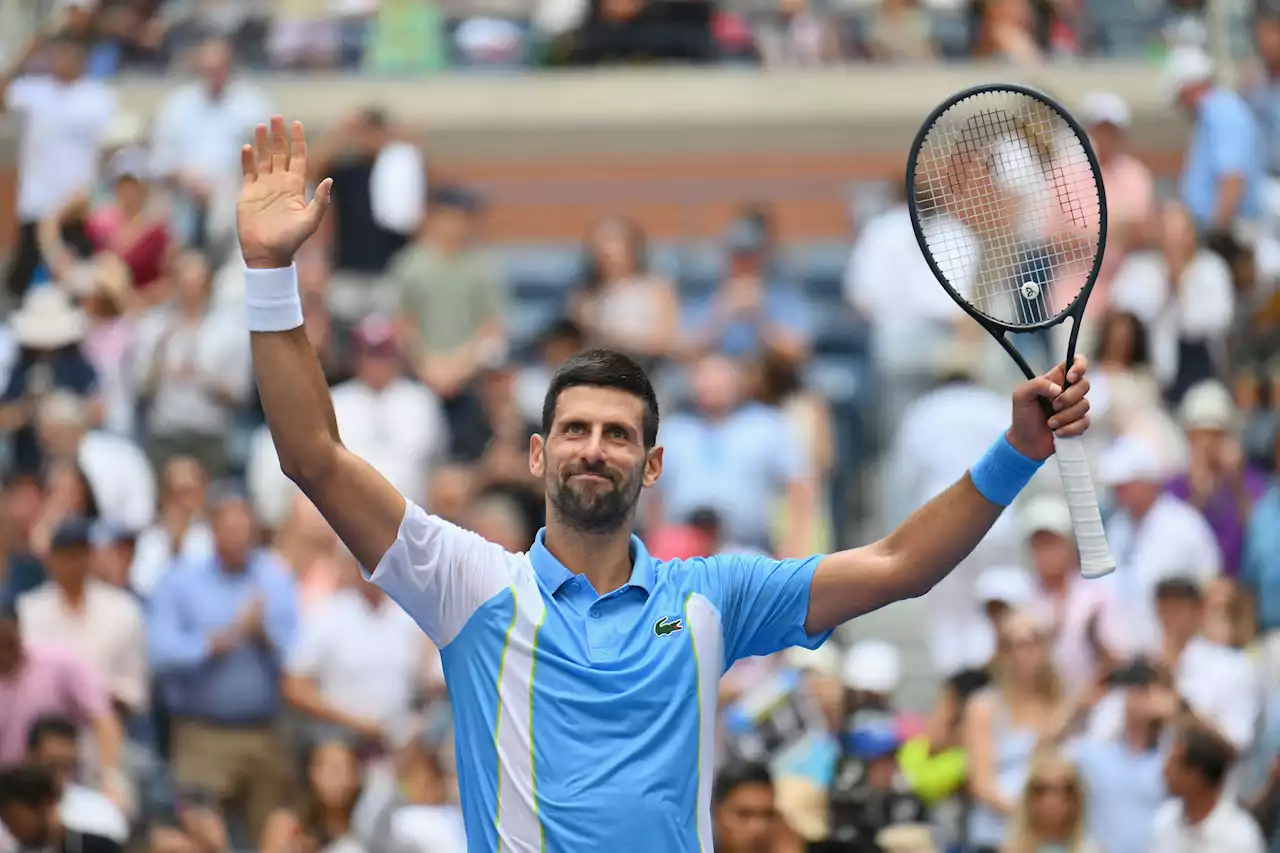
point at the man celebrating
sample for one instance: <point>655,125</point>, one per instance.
<point>583,673</point>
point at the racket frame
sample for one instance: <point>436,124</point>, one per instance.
<point>996,328</point>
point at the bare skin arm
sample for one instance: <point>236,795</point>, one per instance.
<point>928,545</point>
<point>273,220</point>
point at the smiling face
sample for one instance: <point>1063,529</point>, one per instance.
<point>593,458</point>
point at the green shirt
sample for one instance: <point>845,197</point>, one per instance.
<point>448,297</point>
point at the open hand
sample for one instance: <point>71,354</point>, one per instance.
<point>1032,433</point>
<point>273,218</point>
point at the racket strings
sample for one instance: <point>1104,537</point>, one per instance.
<point>1009,206</point>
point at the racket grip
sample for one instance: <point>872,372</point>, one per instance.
<point>1082,500</point>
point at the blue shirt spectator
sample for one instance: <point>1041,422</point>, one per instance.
<point>217,634</point>
<point>1260,563</point>
<point>741,334</point>
<point>1225,142</point>
<point>1125,789</point>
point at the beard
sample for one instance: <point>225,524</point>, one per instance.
<point>596,508</point>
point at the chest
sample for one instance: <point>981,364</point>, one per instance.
<point>69,119</point>
<point>370,646</point>
<point>737,449</point>
<point>208,604</point>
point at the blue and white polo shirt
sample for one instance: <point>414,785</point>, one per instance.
<point>587,722</point>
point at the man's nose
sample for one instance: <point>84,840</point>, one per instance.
<point>593,450</point>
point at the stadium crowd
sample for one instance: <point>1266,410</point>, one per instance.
<point>190,663</point>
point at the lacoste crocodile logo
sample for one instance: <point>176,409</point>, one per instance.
<point>662,627</point>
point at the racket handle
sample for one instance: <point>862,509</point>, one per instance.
<point>1082,500</point>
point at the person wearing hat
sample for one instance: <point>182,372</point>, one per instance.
<point>1128,183</point>
<point>100,622</point>
<point>1153,534</point>
<point>1262,90</point>
<point>48,329</point>
<point>751,309</point>
<point>743,811</point>
<point>1224,172</point>
<point>1089,624</point>
<point>1219,482</point>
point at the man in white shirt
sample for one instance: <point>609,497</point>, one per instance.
<point>54,743</point>
<point>66,116</point>
<point>1153,535</point>
<point>1084,616</point>
<point>1201,817</point>
<point>395,423</point>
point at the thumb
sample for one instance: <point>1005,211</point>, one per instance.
<point>319,205</point>
<point>1041,386</point>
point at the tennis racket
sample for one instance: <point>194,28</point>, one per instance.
<point>1007,204</point>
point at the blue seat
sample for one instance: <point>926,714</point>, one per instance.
<point>527,320</point>
<point>539,271</point>
<point>699,270</point>
<point>818,268</point>
<point>837,332</point>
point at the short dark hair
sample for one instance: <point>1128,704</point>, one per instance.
<point>738,775</point>
<point>602,368</point>
<point>1207,753</point>
<point>50,726</point>
<point>28,785</point>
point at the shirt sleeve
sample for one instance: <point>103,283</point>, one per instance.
<point>764,604</point>
<point>440,574</point>
<point>83,691</point>
<point>1233,136</point>
<point>25,92</point>
<point>1206,298</point>
<point>130,684</point>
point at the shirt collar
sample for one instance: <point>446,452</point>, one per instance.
<point>554,574</point>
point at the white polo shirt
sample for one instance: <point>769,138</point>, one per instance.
<point>1227,829</point>
<point>64,125</point>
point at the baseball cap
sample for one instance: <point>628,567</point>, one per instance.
<point>1131,461</point>
<point>1105,108</point>
<point>1207,405</point>
<point>1186,66</point>
<point>375,335</point>
<point>1046,514</point>
<point>75,532</point>
<point>131,162</point>
<point>872,666</point>
<point>1009,585</point>
<point>458,198</point>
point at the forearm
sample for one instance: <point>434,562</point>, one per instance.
<point>1230,191</point>
<point>302,694</point>
<point>109,734</point>
<point>936,537</point>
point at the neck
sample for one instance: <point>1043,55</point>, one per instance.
<point>603,558</point>
<point>1196,807</point>
<point>1055,585</point>
<point>337,822</point>
<point>1175,645</point>
<point>73,591</point>
<point>191,310</point>
<point>1137,735</point>
<point>233,565</point>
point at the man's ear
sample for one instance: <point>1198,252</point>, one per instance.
<point>537,458</point>
<point>652,467</point>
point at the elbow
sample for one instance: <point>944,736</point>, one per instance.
<point>903,578</point>
<point>312,466</point>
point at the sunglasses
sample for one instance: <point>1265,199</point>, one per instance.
<point>1041,787</point>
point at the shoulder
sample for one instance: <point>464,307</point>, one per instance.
<point>1226,105</point>
<point>118,599</point>
<point>271,568</point>
<point>1167,818</point>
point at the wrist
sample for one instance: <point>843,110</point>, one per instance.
<point>272,303</point>
<point>1002,472</point>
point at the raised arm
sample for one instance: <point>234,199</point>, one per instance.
<point>273,220</point>
<point>928,545</point>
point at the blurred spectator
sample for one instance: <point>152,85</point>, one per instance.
<point>102,624</point>
<point>359,664</point>
<point>1219,482</point>
<point>114,469</point>
<point>1006,32</point>
<point>1153,535</point>
<point>1126,396</point>
<point>53,743</point>
<point>1004,724</point>
<point>1260,559</point>
<point>901,32</point>
<point>1002,591</point>
<point>1185,26</point>
<point>623,31</point>
<point>1184,295</point>
<point>219,632</point>
<point>1051,812</point>
<point>1222,178</point>
<point>199,129</point>
<point>422,817</point>
<point>742,809</point>
<point>1128,184</point>
<point>49,329</point>
<point>452,301</point>
<point>29,800</point>
<point>1262,89</point>
<point>66,495</point>
<point>362,247</point>
<point>332,338</point>
<point>1124,786</point>
<point>66,116</point>
<point>797,35</point>
<point>310,549</point>
<point>1201,813</point>
<point>557,344</point>
<point>621,303</point>
<point>737,458</point>
<point>23,508</point>
<point>499,519</point>
<point>193,371</point>
<point>752,310</point>
<point>180,533</point>
<point>38,679</point>
<point>918,467</point>
<point>1086,618</point>
<point>323,819</point>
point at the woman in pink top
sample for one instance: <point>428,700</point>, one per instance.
<point>307,544</point>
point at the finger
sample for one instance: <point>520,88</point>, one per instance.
<point>1078,367</point>
<point>248,164</point>
<point>1071,396</point>
<point>298,149</point>
<point>320,202</point>
<point>1069,416</point>
<point>262,149</point>
<point>279,145</point>
<point>1073,429</point>
<point>1041,386</point>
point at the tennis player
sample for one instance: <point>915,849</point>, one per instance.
<point>583,674</point>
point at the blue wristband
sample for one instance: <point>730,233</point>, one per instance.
<point>1002,472</point>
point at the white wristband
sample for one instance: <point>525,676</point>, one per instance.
<point>271,299</point>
